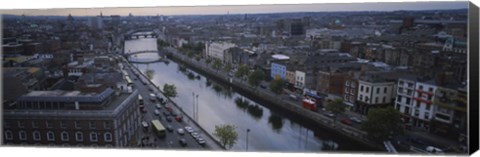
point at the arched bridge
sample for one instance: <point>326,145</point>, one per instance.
<point>141,32</point>
<point>162,56</point>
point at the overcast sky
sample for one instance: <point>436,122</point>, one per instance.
<point>384,6</point>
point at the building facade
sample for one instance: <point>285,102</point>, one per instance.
<point>373,93</point>
<point>59,118</point>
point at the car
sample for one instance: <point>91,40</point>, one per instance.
<point>180,131</point>
<point>169,108</point>
<point>293,97</point>
<point>263,86</point>
<point>201,141</point>
<point>169,118</point>
<point>173,113</point>
<point>179,118</point>
<point>150,89</point>
<point>166,113</point>
<point>189,129</point>
<point>416,140</point>
<point>346,121</point>
<point>156,113</point>
<point>330,114</point>
<point>195,135</point>
<point>157,106</point>
<point>169,128</point>
<point>182,142</point>
<point>433,149</point>
<point>144,124</point>
<point>356,119</point>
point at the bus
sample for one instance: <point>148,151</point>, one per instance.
<point>129,81</point>
<point>158,128</point>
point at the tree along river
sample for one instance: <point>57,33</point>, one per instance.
<point>270,130</point>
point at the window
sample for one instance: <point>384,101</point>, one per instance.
<point>385,90</point>
<point>6,124</point>
<point>36,136</point>
<point>64,136</point>
<point>108,137</point>
<point>408,101</point>
<point>22,135</point>
<point>399,98</point>
<point>93,137</point>
<point>79,136</point>
<point>8,135</point>
<point>63,124</point>
<point>400,82</point>
<point>347,83</point>
<point>376,99</point>
<point>366,99</point>
<point>420,87</point>
<point>407,110</point>
<point>77,125</point>
<point>361,97</point>
<point>366,90</point>
<point>92,125</point>
<point>427,115</point>
<point>21,124</point>
<point>34,124</point>
<point>346,97</point>
<point>106,125</point>
<point>49,124</point>
<point>384,99</point>
<point>361,88</point>
<point>430,89</point>
<point>428,107</point>
<point>378,90</point>
<point>50,136</point>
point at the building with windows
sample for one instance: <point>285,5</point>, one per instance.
<point>404,99</point>
<point>217,50</point>
<point>72,118</point>
<point>449,119</point>
<point>374,91</point>
<point>423,108</point>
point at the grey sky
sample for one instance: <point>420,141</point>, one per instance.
<point>391,6</point>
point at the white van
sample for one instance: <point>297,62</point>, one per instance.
<point>435,150</point>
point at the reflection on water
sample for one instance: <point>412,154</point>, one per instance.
<point>276,121</point>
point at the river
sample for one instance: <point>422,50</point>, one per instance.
<point>270,130</point>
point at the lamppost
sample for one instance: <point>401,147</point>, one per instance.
<point>248,130</point>
<point>195,104</point>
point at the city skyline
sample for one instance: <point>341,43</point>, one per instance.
<point>241,9</point>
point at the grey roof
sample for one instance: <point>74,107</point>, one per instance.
<point>62,96</point>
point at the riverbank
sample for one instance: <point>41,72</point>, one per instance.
<point>273,101</point>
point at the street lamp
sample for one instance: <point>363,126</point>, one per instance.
<point>248,130</point>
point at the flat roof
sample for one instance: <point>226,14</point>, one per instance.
<point>280,57</point>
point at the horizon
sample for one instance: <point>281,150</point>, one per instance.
<point>243,9</point>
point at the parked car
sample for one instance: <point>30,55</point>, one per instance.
<point>169,118</point>
<point>330,114</point>
<point>182,142</point>
<point>156,113</point>
<point>180,131</point>
<point>347,122</point>
<point>201,141</point>
<point>166,113</point>
<point>293,97</point>
<point>157,106</point>
<point>416,140</point>
<point>356,119</point>
<point>195,135</point>
<point>435,150</point>
<point>144,124</point>
<point>179,118</point>
<point>189,129</point>
<point>169,128</point>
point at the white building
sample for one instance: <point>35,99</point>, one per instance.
<point>299,79</point>
<point>374,92</point>
<point>423,108</point>
<point>405,93</point>
<point>217,49</point>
